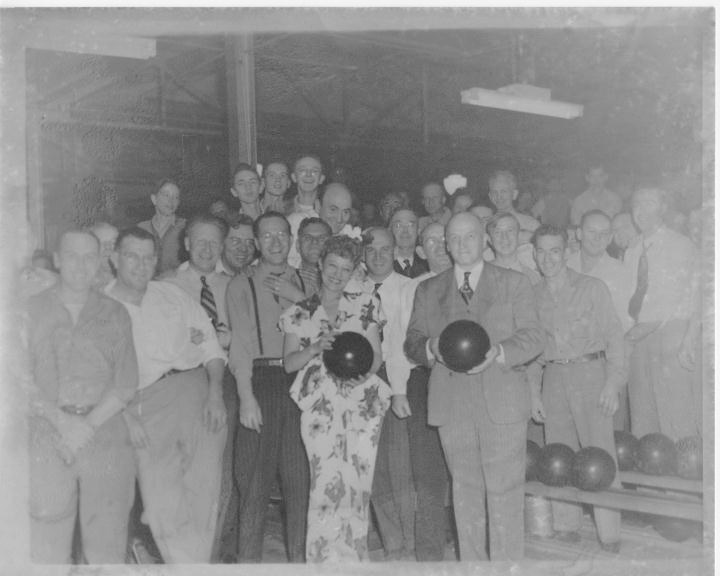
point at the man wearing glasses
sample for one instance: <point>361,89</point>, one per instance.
<point>404,228</point>
<point>239,246</point>
<point>268,440</point>
<point>312,235</point>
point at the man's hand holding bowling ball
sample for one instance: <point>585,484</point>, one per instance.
<point>490,357</point>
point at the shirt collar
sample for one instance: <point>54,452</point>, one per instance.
<point>475,272</point>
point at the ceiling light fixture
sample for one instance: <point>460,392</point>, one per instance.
<point>522,98</point>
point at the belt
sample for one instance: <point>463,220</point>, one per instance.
<point>77,410</point>
<point>172,372</point>
<point>580,359</point>
<point>268,362</point>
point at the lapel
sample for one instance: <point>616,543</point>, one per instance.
<point>485,291</point>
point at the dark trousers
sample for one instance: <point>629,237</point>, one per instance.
<point>429,470</point>
<point>260,457</point>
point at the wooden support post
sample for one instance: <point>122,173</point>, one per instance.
<point>240,76</point>
<point>425,98</point>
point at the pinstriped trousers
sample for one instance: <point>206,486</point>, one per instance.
<point>486,460</point>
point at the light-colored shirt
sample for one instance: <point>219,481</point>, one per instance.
<point>672,275</point>
<point>580,319</point>
<point>532,274</point>
<point>553,209</point>
<point>474,278</point>
<point>443,219</point>
<point>616,278</point>
<point>161,327</point>
<point>605,200</point>
<point>189,279</point>
<point>245,345</point>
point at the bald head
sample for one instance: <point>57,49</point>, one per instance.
<point>334,206</point>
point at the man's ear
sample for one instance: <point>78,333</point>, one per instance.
<point>516,193</point>
<point>186,243</point>
<point>316,205</point>
<point>420,251</point>
<point>293,177</point>
<point>262,186</point>
<point>578,234</point>
<point>114,259</point>
<point>153,199</point>
<point>322,179</point>
<point>234,193</point>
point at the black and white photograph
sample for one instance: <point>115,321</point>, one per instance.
<point>357,290</point>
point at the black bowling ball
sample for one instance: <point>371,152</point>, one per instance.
<point>677,529</point>
<point>555,465</point>
<point>531,460</point>
<point>463,345</point>
<point>593,469</point>
<point>657,454</point>
<point>351,356</point>
<point>690,458</point>
<point>626,450</point>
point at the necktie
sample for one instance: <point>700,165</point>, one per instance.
<point>276,274</point>
<point>376,293</point>
<point>406,266</point>
<point>635,304</point>
<point>207,300</point>
<point>466,290</point>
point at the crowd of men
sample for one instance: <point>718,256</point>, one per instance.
<point>156,356</point>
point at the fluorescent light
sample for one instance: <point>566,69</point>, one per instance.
<point>522,98</point>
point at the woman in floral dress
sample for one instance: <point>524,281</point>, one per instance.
<point>341,419</point>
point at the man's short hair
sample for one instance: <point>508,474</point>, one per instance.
<point>549,230</point>
<point>496,218</point>
<point>162,183</point>
<point>661,194</point>
<point>313,156</point>
<point>78,231</point>
<point>323,189</point>
<point>369,235</point>
<point>265,216</point>
<point>343,246</point>
<point>198,219</point>
<point>243,167</point>
<point>594,212</point>
<point>238,220</point>
<point>314,220</point>
<point>275,160</point>
<point>137,233</point>
<point>498,174</point>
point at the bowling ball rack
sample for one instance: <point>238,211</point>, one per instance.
<point>662,495</point>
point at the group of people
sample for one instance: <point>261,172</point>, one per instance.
<point>187,354</point>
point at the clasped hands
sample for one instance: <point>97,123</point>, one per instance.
<point>490,357</point>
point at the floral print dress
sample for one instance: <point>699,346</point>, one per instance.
<point>340,427</point>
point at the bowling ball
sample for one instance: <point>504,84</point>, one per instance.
<point>626,449</point>
<point>677,529</point>
<point>690,458</point>
<point>593,469</point>
<point>463,345</point>
<point>351,356</point>
<point>555,465</point>
<point>657,454</point>
<point>531,460</point>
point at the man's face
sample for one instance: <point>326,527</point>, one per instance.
<point>550,255</point>
<point>465,239</point>
<point>595,235</point>
<point>204,245</point>
<point>623,230</point>
<point>308,174</point>
<point>311,242</point>
<point>461,203</point>
<point>503,193</point>
<point>107,235</point>
<point>596,178</point>
<point>379,255</point>
<point>389,204</point>
<point>483,213</point>
<point>433,198</point>
<point>277,179</point>
<point>246,186</point>
<point>273,240</point>
<point>135,262</point>
<point>78,259</point>
<point>433,244</point>
<point>239,247</point>
<point>647,210</point>
<point>219,209</point>
<point>336,272</point>
<point>504,236</point>
<point>336,207</point>
<point>166,200</point>
<point>404,227</point>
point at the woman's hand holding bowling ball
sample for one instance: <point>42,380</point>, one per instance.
<point>323,343</point>
<point>489,359</point>
<point>608,400</point>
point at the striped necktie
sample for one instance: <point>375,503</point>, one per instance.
<point>466,290</point>
<point>207,300</point>
<point>406,267</point>
<point>636,301</point>
<point>376,293</point>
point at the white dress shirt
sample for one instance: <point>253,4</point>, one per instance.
<point>161,332</point>
<point>189,279</point>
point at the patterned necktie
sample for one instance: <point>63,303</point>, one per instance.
<point>635,304</point>
<point>277,275</point>
<point>466,290</point>
<point>406,266</point>
<point>207,300</point>
<point>376,293</point>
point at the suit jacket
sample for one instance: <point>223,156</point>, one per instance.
<point>504,305</point>
<point>417,268</point>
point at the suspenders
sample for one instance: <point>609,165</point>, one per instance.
<point>302,282</point>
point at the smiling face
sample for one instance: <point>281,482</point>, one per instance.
<point>273,240</point>
<point>502,193</point>
<point>595,234</point>
<point>277,179</point>
<point>461,202</point>
<point>336,207</point>
<point>434,248</point>
<point>246,186</point>
<point>311,241</point>
<point>389,204</point>
<point>648,209</point>
<point>78,260</point>
<point>404,227</point>
<point>307,174</point>
<point>239,246</point>
<point>550,255</point>
<point>166,200</point>
<point>465,239</point>
<point>505,235</point>
<point>135,261</point>
<point>336,272</point>
<point>379,254</point>
<point>204,244</point>
<point>433,198</point>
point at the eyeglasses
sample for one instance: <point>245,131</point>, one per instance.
<point>309,171</point>
<point>436,241</point>
<point>269,236</point>
<point>404,225</point>
<point>310,239</point>
<point>246,242</point>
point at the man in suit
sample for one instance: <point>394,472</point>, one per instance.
<point>404,228</point>
<point>482,414</point>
